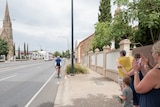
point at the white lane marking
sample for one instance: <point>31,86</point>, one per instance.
<point>7,77</point>
<point>27,105</point>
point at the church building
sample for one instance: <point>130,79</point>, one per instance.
<point>6,31</point>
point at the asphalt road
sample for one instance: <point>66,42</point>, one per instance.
<point>28,84</point>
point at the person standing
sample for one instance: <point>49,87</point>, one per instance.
<point>149,86</point>
<point>136,96</point>
<point>127,95</point>
<point>126,63</point>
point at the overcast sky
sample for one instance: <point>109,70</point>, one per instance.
<point>46,24</point>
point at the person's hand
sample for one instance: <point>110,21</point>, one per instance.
<point>144,60</point>
<point>135,65</point>
<point>119,66</point>
<point>119,99</point>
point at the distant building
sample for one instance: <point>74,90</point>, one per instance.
<point>6,31</point>
<point>83,48</point>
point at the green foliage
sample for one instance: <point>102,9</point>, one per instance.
<point>14,50</point>
<point>149,20</point>
<point>120,29</point>
<point>77,69</point>
<point>104,10</point>
<point>24,49</point>
<point>102,28</point>
<point>117,30</point>
<point>66,54</point>
<point>4,49</point>
<point>101,35</point>
<point>57,53</point>
<point>147,13</point>
<point>27,50</point>
<point>121,2</point>
<point>19,52</point>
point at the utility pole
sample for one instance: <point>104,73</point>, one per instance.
<point>72,39</point>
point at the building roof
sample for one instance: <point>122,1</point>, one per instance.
<point>85,39</point>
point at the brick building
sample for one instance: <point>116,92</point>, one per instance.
<point>83,48</point>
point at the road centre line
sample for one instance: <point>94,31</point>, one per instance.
<point>27,105</point>
<point>8,77</point>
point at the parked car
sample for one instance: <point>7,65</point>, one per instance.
<point>46,59</point>
<point>50,59</point>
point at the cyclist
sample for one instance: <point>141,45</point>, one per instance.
<point>58,65</point>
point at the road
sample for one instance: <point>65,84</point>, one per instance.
<point>28,84</point>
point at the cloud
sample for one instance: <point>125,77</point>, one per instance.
<point>41,23</point>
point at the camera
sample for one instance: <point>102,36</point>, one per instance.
<point>139,61</point>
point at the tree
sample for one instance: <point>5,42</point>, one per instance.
<point>120,29</point>
<point>66,54</point>
<point>4,49</point>
<point>24,49</point>
<point>57,53</point>
<point>14,50</point>
<point>27,49</point>
<point>102,27</point>
<point>19,52</point>
<point>147,13</point>
<point>149,21</point>
<point>104,10</point>
<point>101,35</point>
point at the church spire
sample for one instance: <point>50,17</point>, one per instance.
<point>7,25</point>
<point>6,17</point>
<point>117,10</point>
<point>7,31</point>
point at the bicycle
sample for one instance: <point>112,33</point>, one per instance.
<point>58,71</point>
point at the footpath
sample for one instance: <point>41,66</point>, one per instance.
<point>87,90</point>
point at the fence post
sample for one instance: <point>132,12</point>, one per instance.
<point>96,52</point>
<point>105,50</point>
<point>125,45</point>
<point>89,58</point>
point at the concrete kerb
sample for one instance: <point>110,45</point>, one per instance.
<point>61,91</point>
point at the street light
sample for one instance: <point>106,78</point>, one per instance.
<point>72,39</point>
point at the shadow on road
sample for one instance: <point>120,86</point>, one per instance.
<point>47,104</point>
